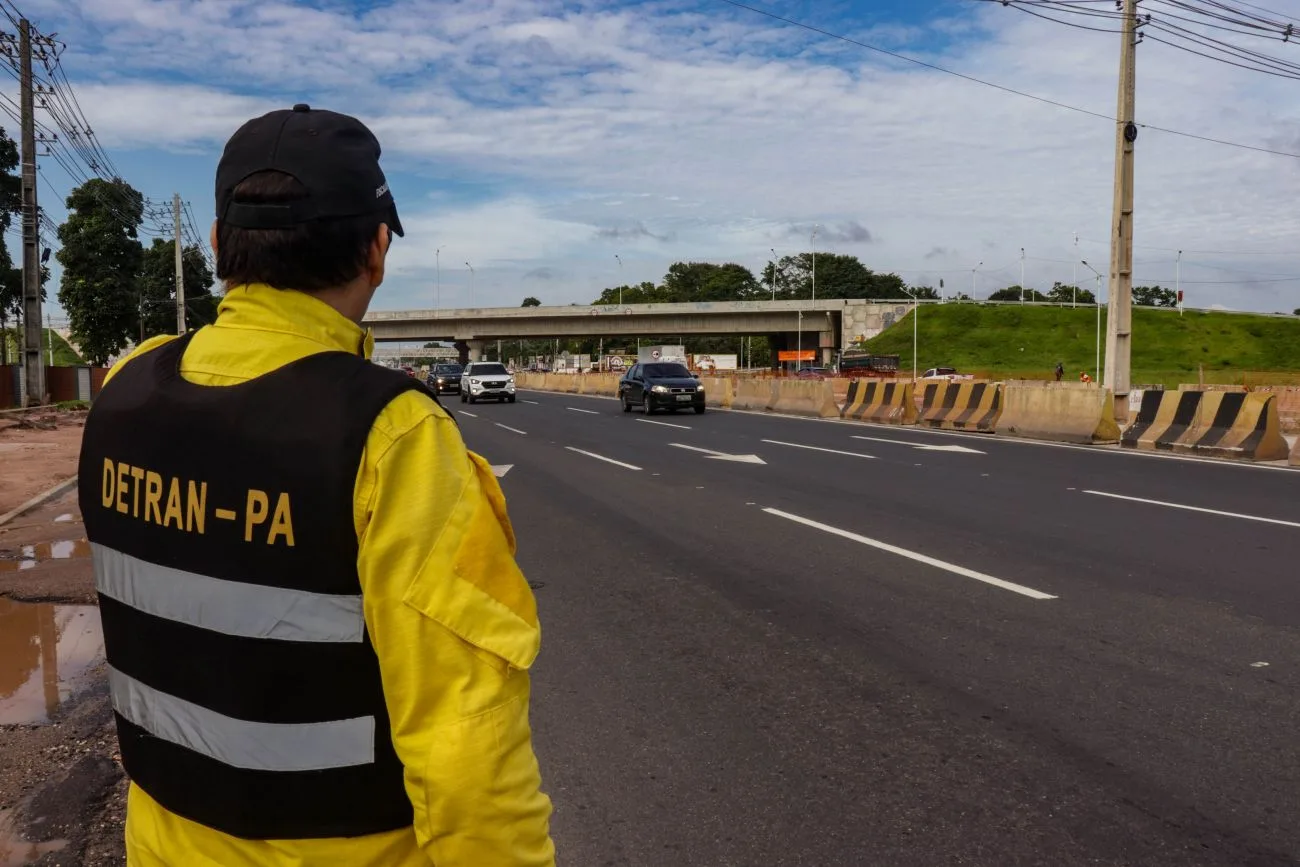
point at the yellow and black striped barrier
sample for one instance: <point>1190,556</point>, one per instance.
<point>1215,423</point>
<point>880,402</point>
<point>973,406</point>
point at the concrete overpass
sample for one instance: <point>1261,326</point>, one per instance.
<point>826,324</point>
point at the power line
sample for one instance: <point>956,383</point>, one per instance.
<point>1000,87</point>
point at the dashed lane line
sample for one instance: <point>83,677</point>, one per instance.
<point>605,459</point>
<point>913,555</point>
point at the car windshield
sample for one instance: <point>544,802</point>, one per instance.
<point>446,368</point>
<point>488,370</point>
<point>666,370</point>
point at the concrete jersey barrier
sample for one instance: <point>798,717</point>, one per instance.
<point>717,390</point>
<point>757,395</point>
<point>880,402</point>
<point>973,406</point>
<point>814,398</point>
<point>1216,423</point>
<point>1065,412</point>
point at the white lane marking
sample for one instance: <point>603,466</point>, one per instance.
<point>664,423</point>
<point>63,519</point>
<point>922,446</point>
<point>1259,665</point>
<point>512,429</point>
<point>721,456</point>
<point>587,411</point>
<point>500,470</point>
<point>533,402</point>
<point>470,414</point>
<point>603,458</point>
<point>912,555</point>
<point>819,449</point>
<point>1278,521</point>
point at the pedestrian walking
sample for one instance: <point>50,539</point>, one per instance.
<point>1060,371</point>
<point>317,636</point>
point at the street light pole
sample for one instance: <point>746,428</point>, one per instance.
<point>1178,281</point>
<point>1096,300</point>
<point>814,262</point>
<point>1022,275</point>
<point>1074,286</point>
<point>972,279</point>
<point>773,249</point>
<point>916,316</point>
<point>437,280</point>
<point>620,279</point>
<point>798,358</point>
<point>471,283</point>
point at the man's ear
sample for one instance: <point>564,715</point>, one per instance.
<point>212,236</point>
<point>378,253</point>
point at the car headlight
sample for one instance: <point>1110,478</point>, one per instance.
<point>473,382</point>
<point>659,389</point>
<point>699,389</point>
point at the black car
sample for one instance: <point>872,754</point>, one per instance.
<point>444,378</point>
<point>660,385</point>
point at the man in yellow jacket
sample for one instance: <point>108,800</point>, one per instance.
<point>317,635</point>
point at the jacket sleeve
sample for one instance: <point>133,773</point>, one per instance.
<point>455,627</point>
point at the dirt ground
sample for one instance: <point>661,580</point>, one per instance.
<point>62,790</point>
<point>37,451</point>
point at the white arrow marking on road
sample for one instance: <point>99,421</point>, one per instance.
<point>722,456</point>
<point>500,470</point>
<point>923,447</point>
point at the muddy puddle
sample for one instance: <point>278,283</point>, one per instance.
<point>31,556</point>
<point>15,851</point>
<point>45,653</point>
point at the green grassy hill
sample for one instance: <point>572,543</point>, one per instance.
<point>1014,342</point>
<point>64,354</point>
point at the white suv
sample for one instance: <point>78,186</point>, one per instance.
<point>486,380</point>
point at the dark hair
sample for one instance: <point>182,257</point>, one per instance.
<point>309,257</point>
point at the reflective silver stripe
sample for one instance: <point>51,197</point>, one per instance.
<point>252,745</point>
<point>228,607</point>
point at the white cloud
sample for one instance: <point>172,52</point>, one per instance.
<point>711,144</point>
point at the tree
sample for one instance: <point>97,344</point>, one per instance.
<point>642,293</point>
<point>530,301</point>
<point>705,281</point>
<point>1013,293</point>
<point>1065,293</point>
<point>157,306</point>
<point>1154,296</point>
<point>838,276</point>
<point>101,259</point>
<point>925,293</point>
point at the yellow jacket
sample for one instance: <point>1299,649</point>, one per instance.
<point>450,615</point>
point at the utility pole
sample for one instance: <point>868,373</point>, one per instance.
<point>471,283</point>
<point>1178,281</point>
<point>180,265</point>
<point>35,370</point>
<point>1119,324</point>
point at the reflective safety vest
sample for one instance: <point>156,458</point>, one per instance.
<point>246,689</point>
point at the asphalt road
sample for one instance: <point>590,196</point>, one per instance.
<point>915,648</point>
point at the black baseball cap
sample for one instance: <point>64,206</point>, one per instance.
<point>334,156</point>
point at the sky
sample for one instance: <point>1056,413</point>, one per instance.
<point>538,140</point>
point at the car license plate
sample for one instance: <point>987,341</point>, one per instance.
<point>683,397</point>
